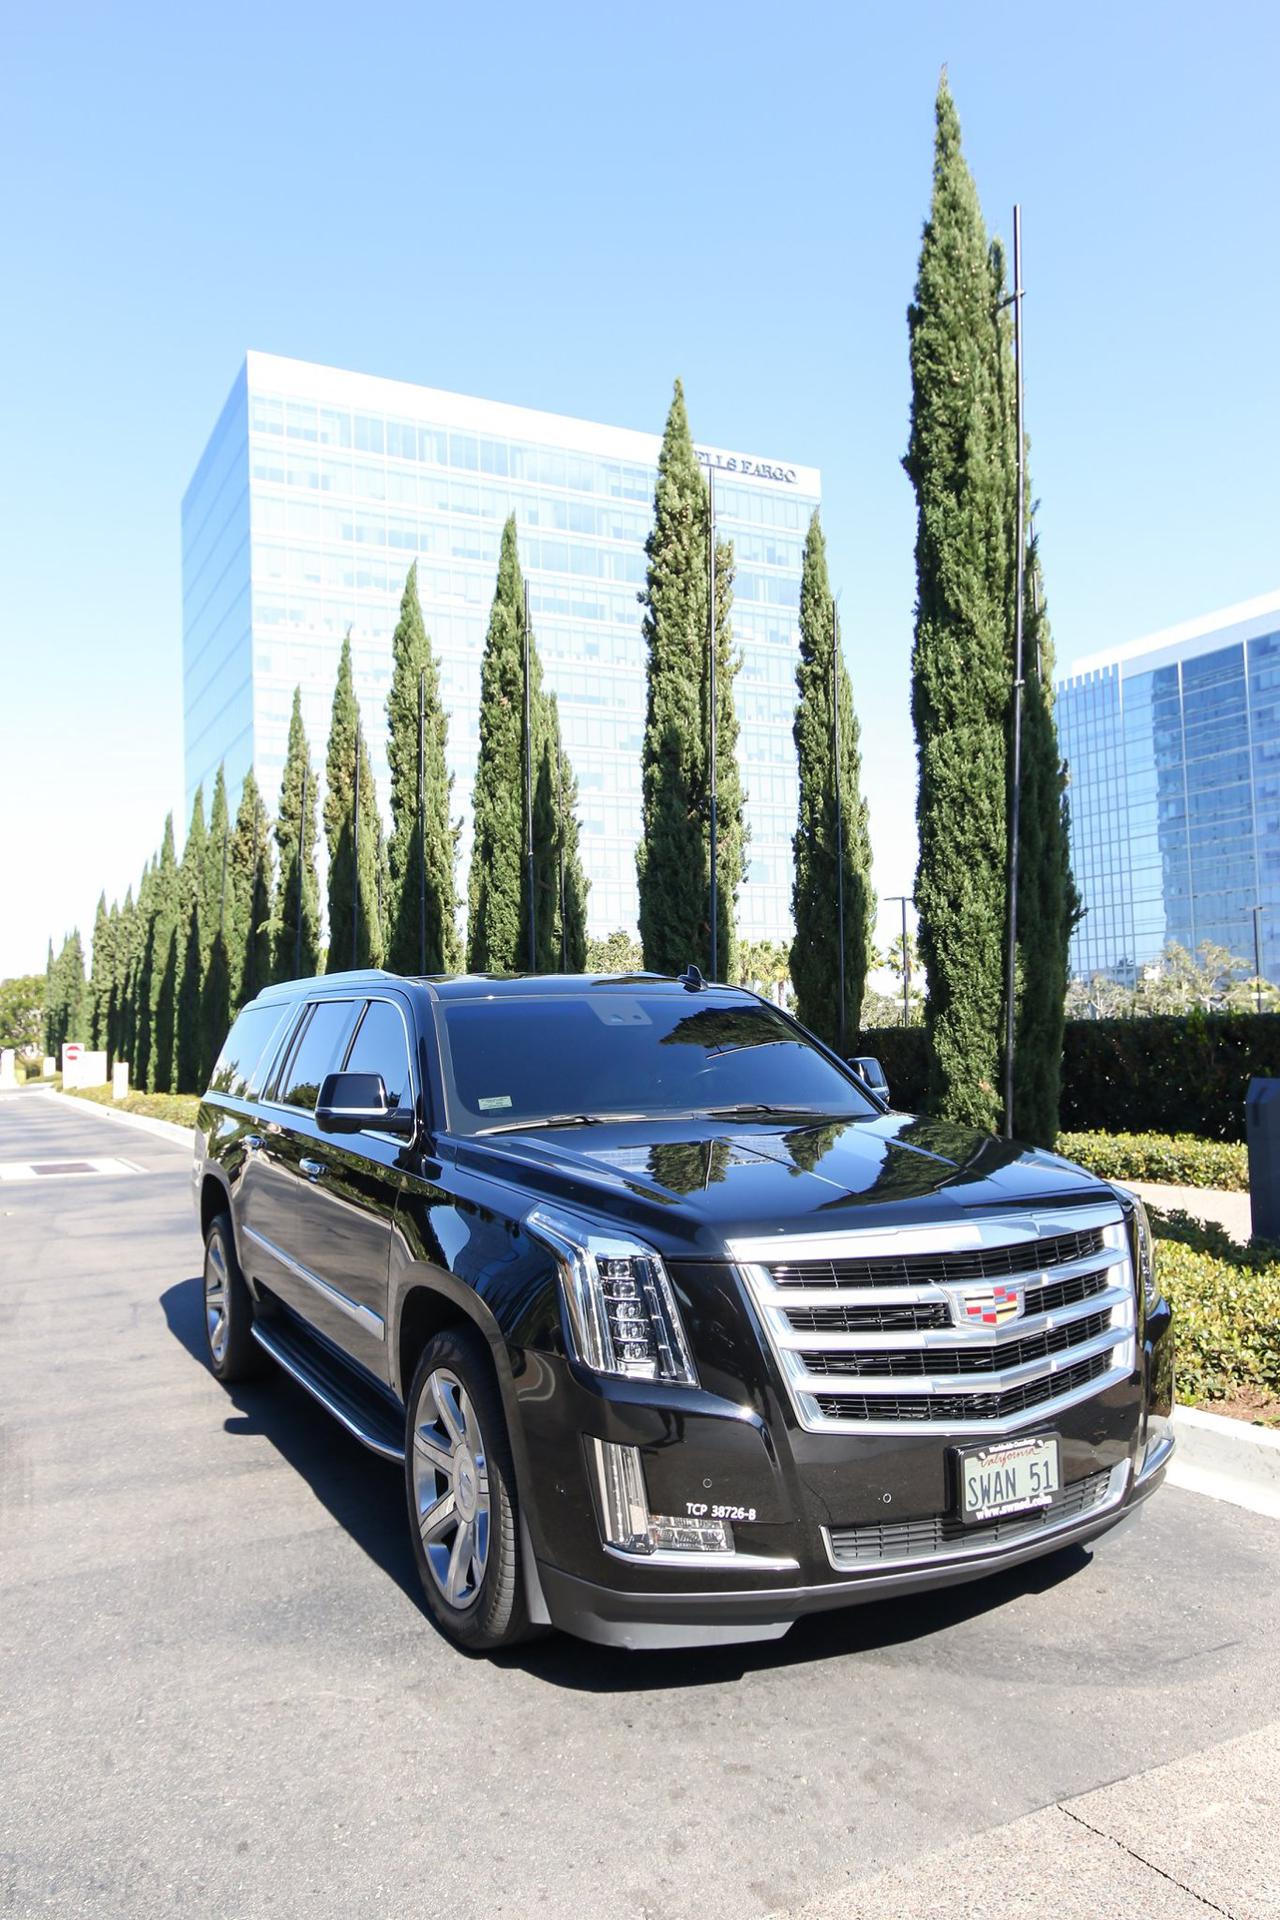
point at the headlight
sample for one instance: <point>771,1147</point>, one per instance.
<point>620,1310</point>
<point>1144,1251</point>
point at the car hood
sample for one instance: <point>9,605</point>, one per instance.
<point>691,1185</point>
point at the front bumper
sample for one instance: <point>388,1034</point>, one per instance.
<point>659,1619</point>
<point>801,1489</point>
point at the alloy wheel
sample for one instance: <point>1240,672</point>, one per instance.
<point>451,1487</point>
<point>215,1298</point>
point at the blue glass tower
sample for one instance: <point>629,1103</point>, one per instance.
<point>317,490</point>
<point>1173,752</point>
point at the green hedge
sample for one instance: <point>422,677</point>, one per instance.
<point>181,1108</point>
<point>1177,1159</point>
<point>1180,1075</point>
<point>1226,1304</point>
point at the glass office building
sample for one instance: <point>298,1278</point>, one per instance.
<point>1173,752</point>
<point>318,489</point>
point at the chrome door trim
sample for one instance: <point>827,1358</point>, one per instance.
<point>363,1316</point>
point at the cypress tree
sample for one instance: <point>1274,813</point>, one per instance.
<point>422,897</point>
<point>50,988</point>
<point>960,677</point>
<point>354,916</point>
<point>296,954</point>
<point>497,918</point>
<point>135,1021</point>
<point>558,873</point>
<point>193,922</point>
<point>1048,903</point>
<point>117,933</point>
<point>249,876</point>
<point>100,977</point>
<point>67,1009</point>
<point>815,951</point>
<point>673,858</point>
<point>161,968</point>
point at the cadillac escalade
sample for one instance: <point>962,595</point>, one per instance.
<point>676,1329</point>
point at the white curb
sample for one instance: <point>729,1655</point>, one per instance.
<point>163,1129</point>
<point>1227,1459</point>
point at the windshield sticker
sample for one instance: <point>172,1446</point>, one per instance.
<point>494,1102</point>
<point>613,1011</point>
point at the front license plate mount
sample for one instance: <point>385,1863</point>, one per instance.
<point>1009,1476</point>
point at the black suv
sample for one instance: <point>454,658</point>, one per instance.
<point>678,1331</point>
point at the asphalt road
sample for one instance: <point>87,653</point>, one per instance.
<point>221,1696</point>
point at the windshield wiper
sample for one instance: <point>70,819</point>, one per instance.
<point>557,1120</point>
<point>759,1109</point>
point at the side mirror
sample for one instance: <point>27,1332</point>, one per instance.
<point>350,1102</point>
<point>868,1068</point>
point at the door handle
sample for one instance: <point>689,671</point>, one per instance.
<point>313,1168</point>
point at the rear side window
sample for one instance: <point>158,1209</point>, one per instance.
<point>380,1047</point>
<point>317,1051</point>
<point>246,1051</point>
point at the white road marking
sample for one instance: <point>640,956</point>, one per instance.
<point>68,1167</point>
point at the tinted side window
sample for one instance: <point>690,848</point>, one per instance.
<point>317,1052</point>
<point>380,1047</point>
<point>244,1049</point>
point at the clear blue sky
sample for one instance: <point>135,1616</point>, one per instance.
<point>564,206</point>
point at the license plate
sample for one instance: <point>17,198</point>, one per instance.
<point>1011,1476</point>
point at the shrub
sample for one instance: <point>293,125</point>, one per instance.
<point>181,1108</point>
<point>1177,1159</point>
<point>1172,1074</point>
<point>1226,1304</point>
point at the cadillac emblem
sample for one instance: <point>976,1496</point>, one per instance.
<point>992,1306</point>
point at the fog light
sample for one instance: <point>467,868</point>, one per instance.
<point>690,1536</point>
<point>624,1510</point>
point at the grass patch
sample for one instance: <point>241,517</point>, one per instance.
<point>1171,1159</point>
<point>1226,1305</point>
<point>181,1108</point>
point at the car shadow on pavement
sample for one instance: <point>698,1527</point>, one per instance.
<point>365,1495</point>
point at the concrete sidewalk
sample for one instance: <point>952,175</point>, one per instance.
<point>1196,1837</point>
<point>1229,1210</point>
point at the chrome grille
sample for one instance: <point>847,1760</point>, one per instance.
<point>950,1269</point>
<point>854,1319</point>
<point>940,1537</point>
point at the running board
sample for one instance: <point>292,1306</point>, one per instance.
<point>325,1378</point>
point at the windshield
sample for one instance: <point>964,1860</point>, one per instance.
<point>634,1054</point>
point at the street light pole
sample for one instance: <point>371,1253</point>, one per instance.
<point>302,842</point>
<point>711,676</point>
<point>1257,958</point>
<point>1015,794</point>
<point>835,758</point>
<point>422,819</point>
<point>528,795</point>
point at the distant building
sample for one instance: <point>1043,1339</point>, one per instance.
<point>1173,751</point>
<point>317,490</point>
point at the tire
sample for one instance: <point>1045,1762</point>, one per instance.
<point>460,1486</point>
<point>233,1352</point>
